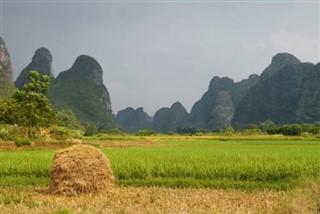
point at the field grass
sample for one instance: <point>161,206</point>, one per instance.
<point>172,174</point>
<point>223,164</point>
<point>243,164</point>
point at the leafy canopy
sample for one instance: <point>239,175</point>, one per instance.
<point>29,107</point>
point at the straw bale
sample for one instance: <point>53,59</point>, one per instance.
<point>80,169</point>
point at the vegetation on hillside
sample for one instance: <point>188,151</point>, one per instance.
<point>81,90</point>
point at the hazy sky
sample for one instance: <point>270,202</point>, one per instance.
<point>154,53</point>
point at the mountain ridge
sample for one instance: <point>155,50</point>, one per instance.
<point>7,87</point>
<point>81,90</point>
<point>41,62</point>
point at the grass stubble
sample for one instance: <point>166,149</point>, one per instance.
<point>143,200</point>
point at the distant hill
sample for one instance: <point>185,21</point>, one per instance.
<point>133,120</point>
<point>41,62</point>
<point>81,90</point>
<point>7,87</point>
<point>289,94</point>
<point>169,119</point>
<point>288,91</point>
<point>205,112</point>
<point>222,112</point>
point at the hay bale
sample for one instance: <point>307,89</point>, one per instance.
<point>80,169</point>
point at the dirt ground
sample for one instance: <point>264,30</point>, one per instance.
<point>10,145</point>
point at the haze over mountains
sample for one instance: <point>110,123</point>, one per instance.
<point>288,91</point>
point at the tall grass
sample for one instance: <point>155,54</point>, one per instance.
<point>196,163</point>
<point>276,164</point>
<point>25,167</point>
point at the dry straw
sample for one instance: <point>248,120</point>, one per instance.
<point>80,169</point>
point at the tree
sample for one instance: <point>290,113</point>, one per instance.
<point>186,130</point>
<point>68,119</point>
<point>267,125</point>
<point>145,132</point>
<point>29,106</point>
<point>34,107</point>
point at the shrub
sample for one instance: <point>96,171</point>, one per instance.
<point>310,128</point>
<point>22,141</point>
<point>4,134</point>
<point>199,133</point>
<point>267,126</point>
<point>252,126</point>
<point>186,130</point>
<point>90,130</point>
<point>62,133</point>
<point>10,132</point>
<point>252,132</point>
<point>228,131</point>
<point>114,131</point>
<point>68,119</point>
<point>145,132</point>
<point>291,129</point>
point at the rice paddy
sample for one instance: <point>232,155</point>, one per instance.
<point>272,168</point>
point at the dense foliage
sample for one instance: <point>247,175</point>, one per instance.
<point>29,107</point>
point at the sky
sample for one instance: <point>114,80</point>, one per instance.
<point>154,53</point>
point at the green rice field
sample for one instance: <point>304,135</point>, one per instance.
<point>243,164</point>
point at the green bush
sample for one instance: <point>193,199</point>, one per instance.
<point>4,134</point>
<point>310,128</point>
<point>296,130</point>
<point>62,133</point>
<point>187,130</point>
<point>252,132</point>
<point>22,141</point>
<point>199,134</point>
<point>267,126</point>
<point>90,130</point>
<point>114,131</point>
<point>291,130</point>
<point>252,126</point>
<point>10,132</point>
<point>228,131</point>
<point>145,132</point>
<point>68,119</point>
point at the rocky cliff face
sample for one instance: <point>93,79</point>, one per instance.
<point>222,112</point>
<point>133,120</point>
<point>124,115</point>
<point>279,61</point>
<point>81,90</point>
<point>309,100</point>
<point>6,84</point>
<point>287,95</point>
<point>169,119</point>
<point>41,62</point>
<point>201,115</point>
